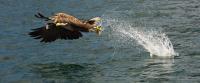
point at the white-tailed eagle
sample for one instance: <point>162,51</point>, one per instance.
<point>64,26</point>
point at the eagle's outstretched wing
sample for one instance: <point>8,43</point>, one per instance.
<point>54,32</point>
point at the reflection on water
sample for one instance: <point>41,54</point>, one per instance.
<point>164,65</point>
<point>154,70</point>
<point>66,72</point>
<point>5,58</point>
<point>157,69</point>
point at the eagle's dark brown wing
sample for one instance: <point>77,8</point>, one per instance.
<point>54,32</point>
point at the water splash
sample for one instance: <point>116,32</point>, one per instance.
<point>154,41</point>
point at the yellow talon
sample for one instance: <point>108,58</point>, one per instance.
<point>98,29</point>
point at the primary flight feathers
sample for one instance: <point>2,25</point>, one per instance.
<point>64,26</point>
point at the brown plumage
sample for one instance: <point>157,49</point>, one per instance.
<point>62,26</point>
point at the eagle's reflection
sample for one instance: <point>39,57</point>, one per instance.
<point>66,72</point>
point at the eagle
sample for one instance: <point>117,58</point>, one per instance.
<point>64,26</point>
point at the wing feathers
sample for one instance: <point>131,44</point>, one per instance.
<point>53,33</point>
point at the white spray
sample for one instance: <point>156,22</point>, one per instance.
<point>154,41</point>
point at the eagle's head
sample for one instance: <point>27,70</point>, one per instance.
<point>97,23</point>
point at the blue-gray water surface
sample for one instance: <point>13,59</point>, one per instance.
<point>95,59</point>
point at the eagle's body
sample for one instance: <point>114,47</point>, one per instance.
<point>64,26</point>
